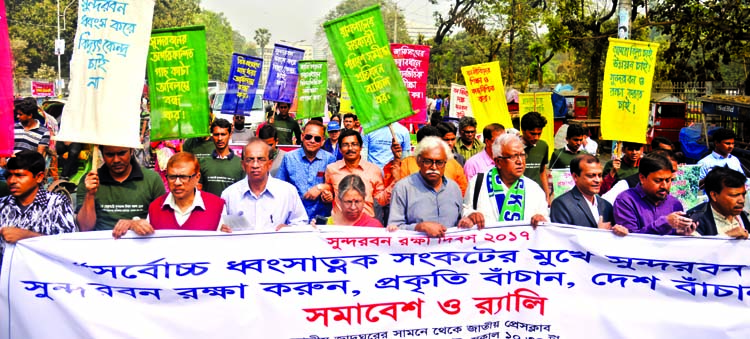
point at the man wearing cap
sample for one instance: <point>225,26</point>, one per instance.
<point>332,143</point>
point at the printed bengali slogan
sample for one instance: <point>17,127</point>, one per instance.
<point>244,77</point>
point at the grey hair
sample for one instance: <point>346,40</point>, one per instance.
<point>352,182</point>
<point>502,141</point>
<point>431,143</point>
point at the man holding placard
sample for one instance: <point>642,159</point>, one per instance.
<point>117,193</point>
<point>286,126</point>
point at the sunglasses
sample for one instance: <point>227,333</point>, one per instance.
<point>317,138</point>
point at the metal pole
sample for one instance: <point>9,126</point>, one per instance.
<point>395,23</point>
<point>59,67</point>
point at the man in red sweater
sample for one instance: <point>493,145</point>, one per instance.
<point>184,207</point>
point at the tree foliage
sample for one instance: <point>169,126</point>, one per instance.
<point>175,13</point>
<point>262,37</point>
<point>705,35</point>
<point>219,44</point>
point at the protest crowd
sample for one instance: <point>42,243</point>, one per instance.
<point>341,176</point>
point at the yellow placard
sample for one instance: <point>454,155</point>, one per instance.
<point>628,75</point>
<point>345,103</point>
<point>487,94</point>
<point>542,103</point>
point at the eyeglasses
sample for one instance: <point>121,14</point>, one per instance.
<point>283,107</point>
<point>260,160</point>
<point>352,145</point>
<point>113,154</point>
<point>515,157</point>
<point>469,131</point>
<point>182,177</point>
<point>309,137</point>
<point>430,162</point>
<point>351,203</point>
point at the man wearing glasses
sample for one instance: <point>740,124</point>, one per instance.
<point>305,169</point>
<point>263,201</point>
<point>469,145</point>
<point>223,167</point>
<point>286,126</point>
<point>427,201</point>
<point>117,193</point>
<point>503,193</point>
<point>184,207</point>
<point>350,143</point>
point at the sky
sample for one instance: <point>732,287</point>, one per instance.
<point>295,20</point>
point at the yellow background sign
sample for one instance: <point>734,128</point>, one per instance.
<point>542,103</point>
<point>628,75</point>
<point>487,94</point>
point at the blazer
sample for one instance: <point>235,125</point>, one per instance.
<point>571,208</point>
<point>705,218</point>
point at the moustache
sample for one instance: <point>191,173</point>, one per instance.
<point>433,172</point>
<point>351,152</point>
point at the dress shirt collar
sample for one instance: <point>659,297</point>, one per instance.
<point>718,156</point>
<point>271,188</point>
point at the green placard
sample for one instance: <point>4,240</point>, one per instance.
<point>363,57</point>
<point>178,83</point>
<point>311,88</point>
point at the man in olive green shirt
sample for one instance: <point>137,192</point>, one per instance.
<point>222,168</point>
<point>468,145</point>
<point>562,157</point>
<point>537,150</point>
<point>118,192</point>
<point>286,126</point>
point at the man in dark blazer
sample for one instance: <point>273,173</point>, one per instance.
<point>582,205</point>
<point>722,214</point>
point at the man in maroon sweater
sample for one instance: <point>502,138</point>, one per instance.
<point>184,207</point>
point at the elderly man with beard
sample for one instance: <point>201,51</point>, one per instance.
<point>427,201</point>
<point>582,205</point>
<point>723,214</point>
<point>648,207</point>
<point>503,193</point>
<point>305,169</point>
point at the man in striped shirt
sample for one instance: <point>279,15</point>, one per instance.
<point>30,134</point>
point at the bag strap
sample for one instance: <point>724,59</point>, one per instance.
<point>477,186</point>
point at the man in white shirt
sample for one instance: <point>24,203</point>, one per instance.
<point>264,201</point>
<point>722,154</point>
<point>504,193</point>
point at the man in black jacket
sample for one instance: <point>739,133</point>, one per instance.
<point>582,205</point>
<point>723,214</point>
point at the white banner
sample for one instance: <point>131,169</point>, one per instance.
<point>460,104</point>
<point>108,70</point>
<point>505,282</point>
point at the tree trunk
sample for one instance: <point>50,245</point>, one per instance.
<point>595,77</point>
<point>510,40</point>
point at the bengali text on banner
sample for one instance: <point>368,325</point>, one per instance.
<point>363,57</point>
<point>460,104</point>
<point>542,103</point>
<point>484,84</point>
<point>42,89</point>
<point>178,83</point>
<point>244,76</point>
<point>628,75</point>
<point>106,83</point>
<point>312,89</point>
<point>281,85</point>
<point>414,61</point>
<point>500,282</point>
<point>6,88</point>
